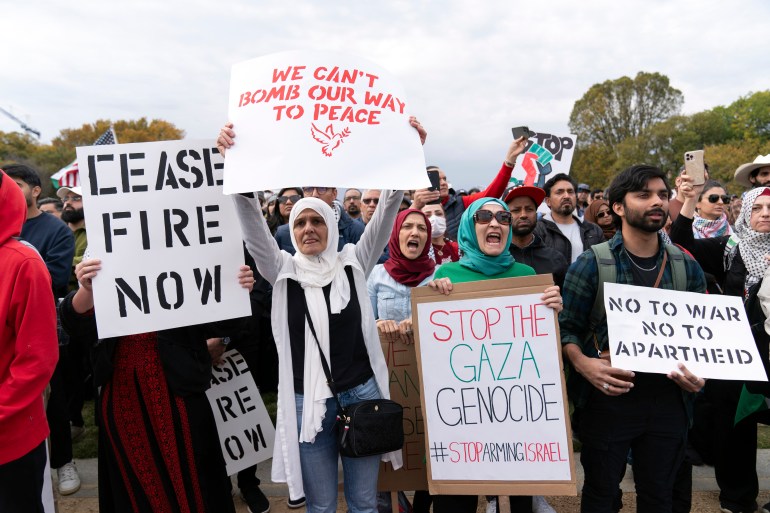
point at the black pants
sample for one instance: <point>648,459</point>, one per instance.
<point>75,374</point>
<point>469,504</point>
<point>654,425</point>
<point>250,350</point>
<point>21,483</point>
<point>735,455</point>
<point>58,416</point>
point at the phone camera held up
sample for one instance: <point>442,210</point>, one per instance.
<point>522,131</point>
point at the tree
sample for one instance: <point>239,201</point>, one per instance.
<point>623,108</point>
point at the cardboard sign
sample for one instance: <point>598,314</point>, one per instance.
<point>320,118</point>
<point>653,330</point>
<point>493,391</point>
<point>405,390</point>
<point>169,240</point>
<point>546,155</point>
<point>246,432</point>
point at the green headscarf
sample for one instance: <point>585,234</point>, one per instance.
<point>472,257</point>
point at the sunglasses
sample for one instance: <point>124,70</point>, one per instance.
<point>485,217</point>
<point>293,198</point>
<point>713,198</point>
<point>599,215</point>
<point>319,190</point>
<point>367,201</point>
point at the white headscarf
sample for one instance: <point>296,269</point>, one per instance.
<point>314,273</point>
<point>752,245</point>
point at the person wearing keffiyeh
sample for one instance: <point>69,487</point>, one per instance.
<point>737,261</point>
<point>711,218</point>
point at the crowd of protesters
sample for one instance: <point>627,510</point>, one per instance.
<point>331,276</point>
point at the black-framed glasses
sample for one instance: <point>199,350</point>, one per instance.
<point>485,217</point>
<point>319,190</point>
<point>367,201</point>
<point>599,215</point>
<point>352,198</point>
<point>293,198</point>
<point>713,198</point>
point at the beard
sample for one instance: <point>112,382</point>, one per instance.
<point>566,209</point>
<point>72,215</point>
<point>642,221</point>
<point>353,210</point>
<point>523,230</point>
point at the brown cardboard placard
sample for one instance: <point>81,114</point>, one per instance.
<point>478,439</point>
<point>405,390</point>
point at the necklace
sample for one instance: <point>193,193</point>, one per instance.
<point>639,266</point>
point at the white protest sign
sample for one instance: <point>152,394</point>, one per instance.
<point>246,432</point>
<point>493,391</point>
<point>652,330</point>
<point>169,240</point>
<point>546,155</point>
<point>320,118</point>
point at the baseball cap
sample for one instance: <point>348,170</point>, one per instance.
<point>536,194</point>
<point>63,191</point>
<point>584,187</point>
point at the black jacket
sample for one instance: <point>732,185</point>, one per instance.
<point>551,236</point>
<point>543,259</point>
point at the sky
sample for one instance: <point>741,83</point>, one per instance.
<point>471,69</point>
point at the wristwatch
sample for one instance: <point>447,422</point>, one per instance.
<point>225,341</point>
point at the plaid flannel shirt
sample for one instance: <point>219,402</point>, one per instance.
<point>580,287</point>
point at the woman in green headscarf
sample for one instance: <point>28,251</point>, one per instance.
<point>484,237</point>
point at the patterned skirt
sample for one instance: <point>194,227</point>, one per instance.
<point>158,452</point>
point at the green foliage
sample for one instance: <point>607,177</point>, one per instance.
<point>612,140</point>
<point>49,158</point>
<point>618,109</point>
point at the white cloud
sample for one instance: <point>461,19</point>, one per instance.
<point>471,69</point>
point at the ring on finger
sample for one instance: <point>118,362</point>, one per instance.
<point>606,386</point>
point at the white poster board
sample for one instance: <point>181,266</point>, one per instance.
<point>546,155</point>
<point>320,118</point>
<point>653,330</point>
<point>246,432</point>
<point>493,391</point>
<point>169,240</point>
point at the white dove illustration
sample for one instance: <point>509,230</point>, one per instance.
<point>328,138</point>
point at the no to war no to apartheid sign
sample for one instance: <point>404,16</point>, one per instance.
<point>653,330</point>
<point>320,118</point>
<point>493,391</point>
<point>169,240</point>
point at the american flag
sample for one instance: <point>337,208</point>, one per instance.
<point>68,176</point>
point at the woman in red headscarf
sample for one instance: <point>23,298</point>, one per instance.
<point>410,265</point>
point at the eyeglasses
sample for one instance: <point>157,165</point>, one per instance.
<point>370,200</point>
<point>352,198</point>
<point>713,198</point>
<point>65,199</point>
<point>599,215</point>
<point>293,198</point>
<point>319,190</point>
<point>485,217</point>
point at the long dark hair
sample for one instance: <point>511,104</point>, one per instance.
<point>275,219</point>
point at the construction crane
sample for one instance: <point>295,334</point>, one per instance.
<point>23,125</point>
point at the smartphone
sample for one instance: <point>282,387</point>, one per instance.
<point>435,184</point>
<point>522,131</point>
<point>694,167</point>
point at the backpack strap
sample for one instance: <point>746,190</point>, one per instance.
<point>605,262</point>
<point>678,269</point>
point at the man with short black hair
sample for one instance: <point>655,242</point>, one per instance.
<point>350,229</point>
<point>352,203</point>
<point>560,228</point>
<point>596,194</point>
<point>51,205</point>
<point>526,247</point>
<point>619,409</point>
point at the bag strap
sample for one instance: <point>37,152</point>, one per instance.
<point>324,363</point>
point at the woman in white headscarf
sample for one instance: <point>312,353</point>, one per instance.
<point>333,285</point>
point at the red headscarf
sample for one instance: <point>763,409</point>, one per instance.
<point>408,272</point>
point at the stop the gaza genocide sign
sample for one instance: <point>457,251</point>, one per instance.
<point>320,118</point>
<point>492,389</point>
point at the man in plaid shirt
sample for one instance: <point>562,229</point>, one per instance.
<point>619,409</point>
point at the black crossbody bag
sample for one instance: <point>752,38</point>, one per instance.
<point>367,428</point>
